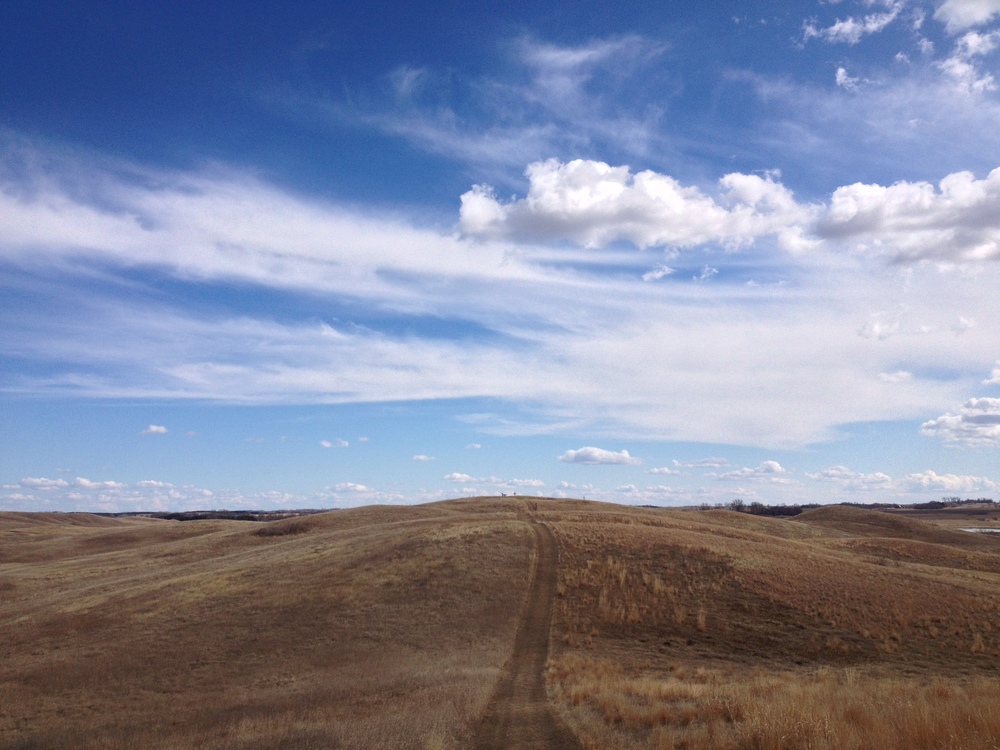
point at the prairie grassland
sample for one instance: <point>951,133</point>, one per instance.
<point>389,627</point>
<point>826,709</point>
<point>847,629</point>
<point>349,629</point>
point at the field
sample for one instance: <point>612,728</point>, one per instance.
<point>490,623</point>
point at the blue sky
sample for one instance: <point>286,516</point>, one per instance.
<point>329,254</point>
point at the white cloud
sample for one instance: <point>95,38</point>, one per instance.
<point>958,221</point>
<point>155,429</point>
<point>524,483</point>
<point>712,462</point>
<point>591,455</point>
<point>497,482</point>
<point>338,443</point>
<point>881,325</point>
<point>106,485</point>
<point>977,423</point>
<point>423,458</point>
<point>959,15</point>
<point>658,273</point>
<point>560,99</point>
<point>42,483</point>
<point>770,471</point>
<point>899,376</point>
<point>962,67</point>
<point>930,480</point>
<point>706,273</point>
<point>845,81</point>
<point>963,324</point>
<point>851,30</point>
<point>664,470</point>
<point>852,480</point>
<point>994,378</point>
<point>351,487</point>
<point>363,439</point>
<point>599,352</point>
<point>594,204</point>
<point>473,446</point>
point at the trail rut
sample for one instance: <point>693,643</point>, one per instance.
<point>518,714</point>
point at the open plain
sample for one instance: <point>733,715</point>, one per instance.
<point>496,623</point>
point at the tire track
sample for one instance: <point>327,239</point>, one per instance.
<point>518,714</point>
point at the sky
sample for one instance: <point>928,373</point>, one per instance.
<point>321,255</point>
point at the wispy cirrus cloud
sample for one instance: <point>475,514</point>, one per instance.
<point>595,347</point>
<point>545,99</point>
<point>852,29</point>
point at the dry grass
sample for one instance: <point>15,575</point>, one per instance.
<point>715,630</point>
<point>350,629</point>
<point>843,709</point>
<point>388,627</point>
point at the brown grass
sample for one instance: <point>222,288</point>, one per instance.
<point>388,627</point>
<point>826,709</point>
<point>350,629</point>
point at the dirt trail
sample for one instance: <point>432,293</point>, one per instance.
<point>518,714</point>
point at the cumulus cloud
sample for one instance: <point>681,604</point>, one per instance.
<point>595,204</point>
<point>853,480</point>
<point>930,480</point>
<point>958,15</point>
<point>421,457</point>
<point>963,68</point>
<point>351,487</point>
<point>994,378</point>
<point>106,485</point>
<point>845,81</point>
<point>155,429</point>
<point>43,483</point>
<point>977,423</point>
<point>770,471</point>
<point>591,455</point>
<point>338,443</point>
<point>664,470</point>
<point>493,481</point>
<point>851,30</point>
<point>595,347</point>
<point>957,221</point>
<point>473,446</point>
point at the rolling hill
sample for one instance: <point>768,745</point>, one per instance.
<point>499,622</point>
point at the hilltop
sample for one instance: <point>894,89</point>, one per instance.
<point>593,625</point>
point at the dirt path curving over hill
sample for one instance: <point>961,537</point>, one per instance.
<point>518,715</point>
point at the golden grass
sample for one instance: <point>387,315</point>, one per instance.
<point>715,630</point>
<point>349,629</point>
<point>827,709</point>
<point>389,627</point>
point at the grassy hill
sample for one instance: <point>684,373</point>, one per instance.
<point>398,627</point>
